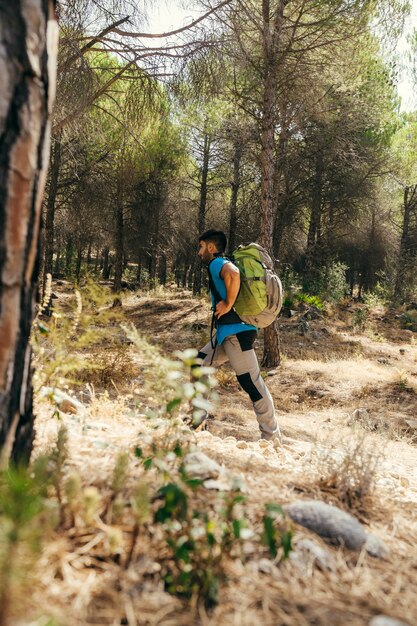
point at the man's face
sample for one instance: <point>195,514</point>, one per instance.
<point>205,251</point>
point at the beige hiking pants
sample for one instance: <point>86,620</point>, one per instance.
<point>238,350</point>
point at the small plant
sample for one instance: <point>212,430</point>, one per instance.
<point>200,541</point>
<point>56,462</point>
<point>61,341</point>
<point>360,319</point>
<point>349,469</point>
<point>120,473</point>
<point>141,509</point>
<point>277,532</point>
<point>408,320</point>
<point>401,380</point>
<point>112,366</point>
<point>311,300</point>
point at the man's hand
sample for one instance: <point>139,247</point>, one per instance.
<point>222,308</point>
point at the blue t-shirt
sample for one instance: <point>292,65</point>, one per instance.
<point>224,330</point>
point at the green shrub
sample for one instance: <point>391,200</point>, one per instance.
<point>310,300</point>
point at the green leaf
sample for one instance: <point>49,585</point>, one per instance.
<point>175,503</point>
<point>147,463</point>
<point>138,452</point>
<point>286,542</point>
<point>178,450</point>
<point>269,535</point>
<point>271,507</point>
<point>237,525</point>
<point>172,404</point>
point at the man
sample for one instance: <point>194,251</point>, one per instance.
<point>234,339</point>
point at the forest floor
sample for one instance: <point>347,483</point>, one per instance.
<point>341,393</point>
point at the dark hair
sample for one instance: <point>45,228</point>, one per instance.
<point>215,236</point>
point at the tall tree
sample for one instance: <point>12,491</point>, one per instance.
<point>28,39</point>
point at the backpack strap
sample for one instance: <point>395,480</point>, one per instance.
<point>228,318</point>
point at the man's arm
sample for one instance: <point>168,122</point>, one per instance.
<point>231,276</point>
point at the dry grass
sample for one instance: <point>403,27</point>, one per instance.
<point>81,575</point>
<point>348,469</point>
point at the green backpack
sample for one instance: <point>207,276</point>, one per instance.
<point>260,296</point>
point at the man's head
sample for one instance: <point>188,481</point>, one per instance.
<point>210,243</point>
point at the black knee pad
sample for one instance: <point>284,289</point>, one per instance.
<point>247,385</point>
<point>246,339</point>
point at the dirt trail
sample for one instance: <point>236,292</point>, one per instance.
<point>315,394</point>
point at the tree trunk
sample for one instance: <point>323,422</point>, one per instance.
<point>57,267</point>
<point>162,270</point>
<point>78,263</point>
<point>154,251</point>
<point>48,254</point>
<point>283,214</point>
<point>118,263</point>
<point>106,270</point>
<point>270,38</point>
<point>405,252</point>
<point>28,40</point>
<point>314,230</point>
<point>69,253</point>
<point>184,275</point>
<point>97,260</point>
<point>237,157</point>
<point>202,206</point>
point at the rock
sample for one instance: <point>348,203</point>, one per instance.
<point>242,445</point>
<point>328,521</point>
<point>384,620</point>
<point>412,423</point>
<point>65,403</point>
<point>264,443</point>
<point>383,361</point>
<point>303,326</point>
<point>199,465</point>
<point>361,416</point>
<point>402,351</point>
<point>67,406</point>
<point>307,551</point>
<point>272,372</point>
<point>376,547</point>
<point>313,313</point>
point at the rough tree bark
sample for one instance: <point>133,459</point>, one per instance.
<point>272,28</point>
<point>28,43</point>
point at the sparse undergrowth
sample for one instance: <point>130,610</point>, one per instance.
<point>141,528</point>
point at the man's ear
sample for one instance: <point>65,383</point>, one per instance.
<point>211,247</point>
